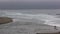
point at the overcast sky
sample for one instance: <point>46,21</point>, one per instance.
<point>17,4</point>
<point>27,0</point>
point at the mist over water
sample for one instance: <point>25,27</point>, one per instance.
<point>31,16</point>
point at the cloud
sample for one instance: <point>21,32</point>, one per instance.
<point>16,4</point>
<point>28,0</point>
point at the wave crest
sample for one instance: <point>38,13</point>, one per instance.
<point>38,18</point>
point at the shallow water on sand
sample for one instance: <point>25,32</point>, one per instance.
<point>25,28</point>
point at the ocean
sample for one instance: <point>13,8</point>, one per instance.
<point>30,17</point>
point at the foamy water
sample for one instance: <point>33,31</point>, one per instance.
<point>36,18</point>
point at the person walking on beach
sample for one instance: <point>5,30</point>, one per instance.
<point>55,27</point>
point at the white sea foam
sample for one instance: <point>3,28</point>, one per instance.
<point>38,18</point>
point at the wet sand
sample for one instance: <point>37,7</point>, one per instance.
<point>26,28</point>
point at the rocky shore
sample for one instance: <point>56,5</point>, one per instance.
<point>4,20</point>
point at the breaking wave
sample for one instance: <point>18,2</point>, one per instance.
<point>36,18</point>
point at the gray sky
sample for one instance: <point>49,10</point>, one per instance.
<point>42,4</point>
<point>28,0</point>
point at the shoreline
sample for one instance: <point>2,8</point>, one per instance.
<point>16,28</point>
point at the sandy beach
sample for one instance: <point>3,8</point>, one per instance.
<point>24,28</point>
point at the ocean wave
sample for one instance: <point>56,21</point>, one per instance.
<point>37,18</point>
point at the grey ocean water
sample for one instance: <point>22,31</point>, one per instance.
<point>28,21</point>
